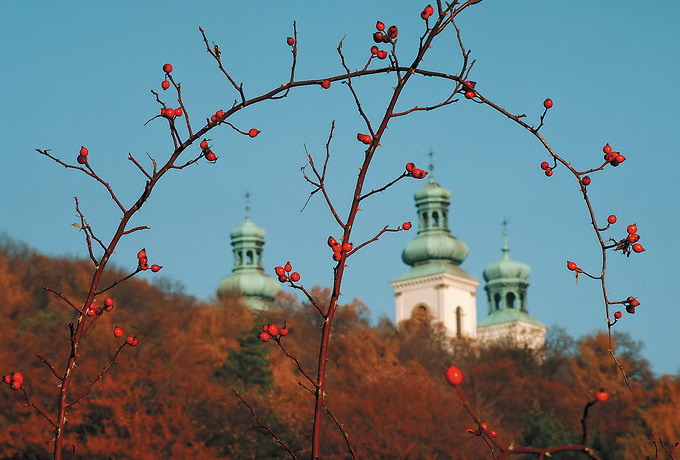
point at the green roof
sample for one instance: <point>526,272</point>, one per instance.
<point>434,268</point>
<point>509,315</point>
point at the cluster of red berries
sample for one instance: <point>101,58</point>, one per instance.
<point>483,429</point>
<point>14,380</point>
<point>427,12</point>
<point>630,303</point>
<point>144,262</point>
<point>545,166</point>
<point>364,138</point>
<point>415,172</point>
<point>338,248</point>
<point>108,306</point>
<point>630,242</point>
<point>601,395</point>
<point>383,36</point>
<point>614,158</point>
<point>548,103</point>
<point>167,68</point>
<point>469,89</point>
<point>170,113</point>
<point>284,273</point>
<point>207,152</point>
<point>272,331</point>
<point>82,156</point>
<point>131,339</point>
<point>217,116</point>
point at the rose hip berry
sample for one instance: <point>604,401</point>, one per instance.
<point>156,268</point>
<point>272,329</point>
<point>83,151</point>
<point>290,41</point>
<point>586,180</point>
<point>611,219</point>
<point>572,265</point>
<point>379,25</point>
<point>607,149</point>
<point>601,395</point>
<point>453,375</point>
<point>253,132</point>
<point>326,84</point>
<point>284,330</point>
<point>406,225</point>
<point>295,277</point>
<point>165,84</point>
<point>167,68</point>
<point>382,54</point>
<point>392,32</point>
<point>618,315</point>
<point>117,332</point>
<point>264,336</point>
<point>548,103</point>
<point>545,166</point>
<point>632,228</point>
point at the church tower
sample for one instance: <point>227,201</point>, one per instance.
<point>509,319</point>
<point>248,278</point>
<point>436,283</point>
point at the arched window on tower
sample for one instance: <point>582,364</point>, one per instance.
<point>435,219</point>
<point>522,303</point>
<point>497,301</point>
<point>249,257</point>
<point>259,257</point>
<point>510,299</point>
<point>239,258</point>
<point>445,220</point>
<point>459,321</point>
<point>423,221</point>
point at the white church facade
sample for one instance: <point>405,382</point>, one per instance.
<point>438,284</point>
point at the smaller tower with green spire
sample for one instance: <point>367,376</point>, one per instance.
<point>508,319</point>
<point>248,278</point>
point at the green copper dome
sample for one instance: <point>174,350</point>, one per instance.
<point>506,268</point>
<point>248,278</point>
<point>434,242</point>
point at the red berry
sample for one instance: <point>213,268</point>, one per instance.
<point>213,118</point>
<point>108,301</point>
<point>382,54</point>
<point>493,434</point>
<point>169,113</point>
<point>607,149</point>
<point>331,241</point>
<point>204,144</point>
<point>219,113</point>
<point>620,158</point>
<point>410,167</point>
<point>264,336</point>
<point>178,112</point>
<point>548,172</point>
<point>633,238</point>
<point>167,68</point>
<point>283,278</point>
<point>336,256</point>
<point>618,315</point>
<point>379,25</point>
<point>90,311</point>
<point>374,50</point>
<point>632,228</point>
<point>419,173</point>
<point>545,166</point>
<point>81,159</point>
<point>272,329</point>
<point>295,277</point>
<point>7,379</point>
<point>453,375</point>
<point>141,254</point>
<point>378,37</point>
<point>279,271</point>
<point>337,247</point>
<point>572,265</point>
<point>548,103</point>
<point>284,330</point>
<point>630,309</point>
<point>156,268</point>
<point>326,84</point>
<point>16,385</point>
<point>83,151</point>
<point>17,377</point>
<point>288,267</point>
<point>210,156</point>
<point>290,41</point>
<point>364,138</point>
<point>406,225</point>
<point>346,247</point>
<point>253,132</point>
<point>611,219</point>
<point>117,332</point>
<point>469,94</point>
<point>586,180</point>
<point>130,340</point>
<point>165,84</point>
<point>601,395</point>
<point>429,10</point>
<point>392,32</point>
<point>484,426</point>
<point>634,302</point>
<point>144,264</point>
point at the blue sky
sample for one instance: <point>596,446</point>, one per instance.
<point>79,73</point>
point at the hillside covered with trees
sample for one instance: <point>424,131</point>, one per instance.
<point>174,394</point>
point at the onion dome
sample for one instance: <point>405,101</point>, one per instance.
<point>506,268</point>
